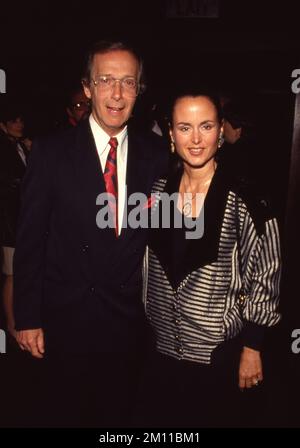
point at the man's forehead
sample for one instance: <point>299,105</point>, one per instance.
<point>115,60</point>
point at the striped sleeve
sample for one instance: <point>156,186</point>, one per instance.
<point>262,301</point>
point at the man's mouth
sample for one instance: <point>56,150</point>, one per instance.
<point>114,110</point>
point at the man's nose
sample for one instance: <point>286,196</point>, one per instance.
<point>117,90</point>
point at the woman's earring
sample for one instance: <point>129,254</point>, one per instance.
<point>172,147</point>
<point>220,140</point>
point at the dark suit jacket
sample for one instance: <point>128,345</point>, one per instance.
<point>78,282</point>
<point>12,170</point>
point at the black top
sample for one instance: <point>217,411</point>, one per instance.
<point>180,243</point>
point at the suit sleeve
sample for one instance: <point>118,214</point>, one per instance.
<point>29,258</point>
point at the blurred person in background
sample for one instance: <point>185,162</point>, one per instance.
<point>78,107</point>
<point>14,150</point>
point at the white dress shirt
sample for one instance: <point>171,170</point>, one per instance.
<point>21,153</point>
<point>101,141</point>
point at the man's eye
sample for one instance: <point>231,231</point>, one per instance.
<point>105,80</point>
<point>130,82</point>
<point>184,128</point>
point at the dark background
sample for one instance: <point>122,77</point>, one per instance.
<point>250,50</point>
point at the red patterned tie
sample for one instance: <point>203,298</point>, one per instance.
<point>111,179</point>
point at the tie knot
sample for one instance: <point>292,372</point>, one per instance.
<point>113,142</point>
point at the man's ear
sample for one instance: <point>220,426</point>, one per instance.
<point>86,89</point>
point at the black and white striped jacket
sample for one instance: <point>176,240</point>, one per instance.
<point>194,315</point>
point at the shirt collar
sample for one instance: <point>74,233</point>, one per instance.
<point>102,138</point>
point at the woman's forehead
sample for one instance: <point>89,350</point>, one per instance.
<point>195,106</point>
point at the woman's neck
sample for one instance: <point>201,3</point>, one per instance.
<point>195,179</point>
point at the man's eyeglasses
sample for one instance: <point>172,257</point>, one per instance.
<point>129,84</point>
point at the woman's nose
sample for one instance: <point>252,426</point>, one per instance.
<point>196,136</point>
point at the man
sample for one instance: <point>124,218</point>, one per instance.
<point>78,107</point>
<point>78,287</point>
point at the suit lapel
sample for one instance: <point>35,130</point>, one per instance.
<point>89,180</point>
<point>86,161</point>
<point>15,159</point>
<point>137,173</point>
<point>136,166</point>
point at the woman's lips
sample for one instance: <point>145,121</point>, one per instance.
<point>196,151</point>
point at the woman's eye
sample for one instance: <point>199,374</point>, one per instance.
<point>207,127</point>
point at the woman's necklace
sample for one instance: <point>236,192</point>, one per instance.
<point>187,207</point>
<point>187,204</point>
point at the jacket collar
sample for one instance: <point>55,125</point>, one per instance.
<point>197,252</point>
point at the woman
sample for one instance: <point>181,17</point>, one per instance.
<point>208,299</point>
<point>14,150</point>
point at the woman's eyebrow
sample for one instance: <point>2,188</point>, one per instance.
<point>202,122</point>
